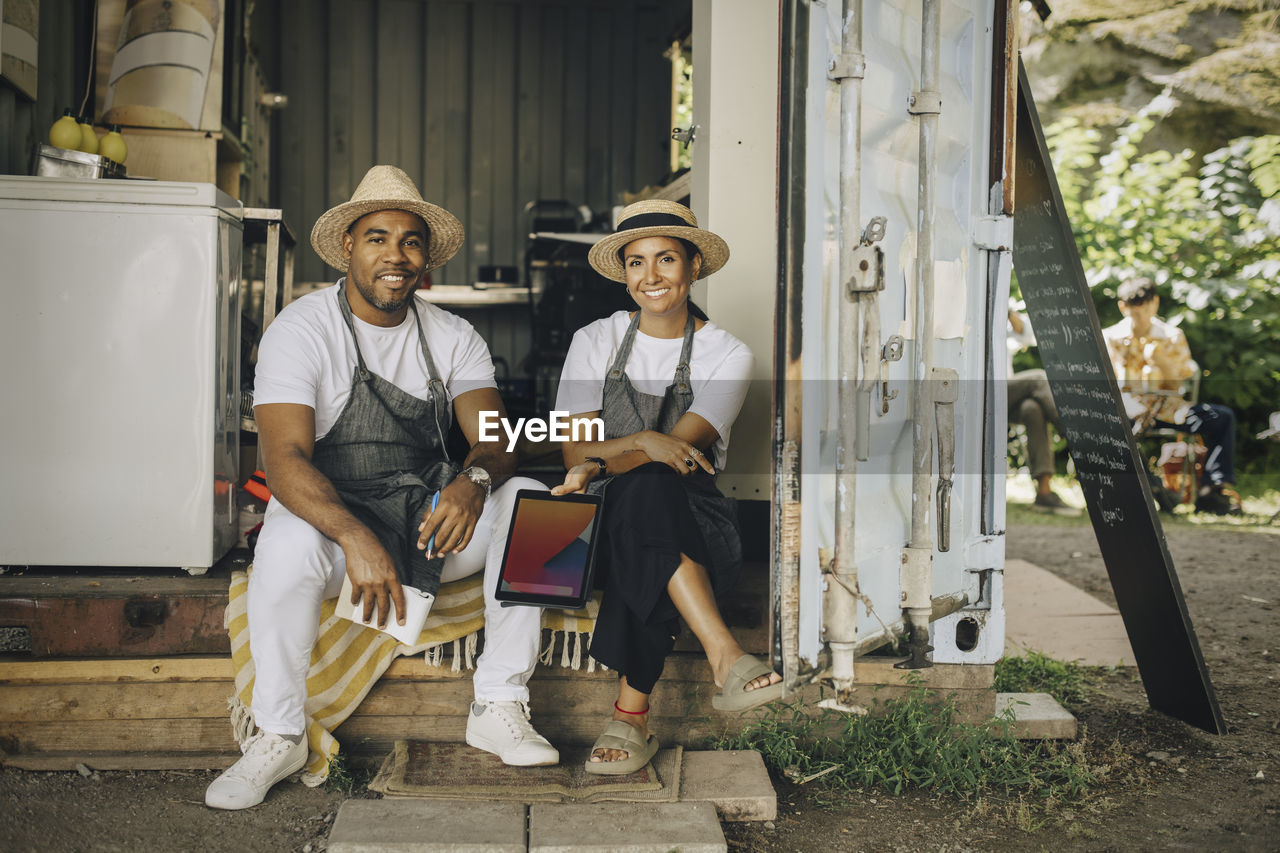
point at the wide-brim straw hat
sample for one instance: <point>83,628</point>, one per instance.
<point>387,188</point>
<point>657,218</point>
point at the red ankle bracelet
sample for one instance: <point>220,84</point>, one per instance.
<point>632,713</point>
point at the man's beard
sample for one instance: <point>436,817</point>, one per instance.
<point>389,306</point>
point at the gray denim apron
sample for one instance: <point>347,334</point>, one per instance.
<point>627,411</point>
<point>386,457</point>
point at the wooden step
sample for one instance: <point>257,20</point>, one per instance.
<point>172,712</point>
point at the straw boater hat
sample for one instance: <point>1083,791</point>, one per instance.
<point>657,218</point>
<point>386,188</point>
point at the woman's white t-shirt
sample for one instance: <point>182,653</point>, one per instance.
<point>720,369</point>
<point>307,355</point>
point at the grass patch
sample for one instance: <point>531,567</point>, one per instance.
<point>917,741</point>
<point>344,779</point>
<point>1036,672</point>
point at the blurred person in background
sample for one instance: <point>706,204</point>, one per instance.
<point>1152,361</point>
<point>1031,404</point>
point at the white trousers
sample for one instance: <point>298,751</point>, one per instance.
<point>295,567</point>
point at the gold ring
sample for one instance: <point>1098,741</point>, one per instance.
<point>688,462</point>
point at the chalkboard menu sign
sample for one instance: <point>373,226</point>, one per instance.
<point>1099,437</point>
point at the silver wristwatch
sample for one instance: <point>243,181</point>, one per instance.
<point>480,477</point>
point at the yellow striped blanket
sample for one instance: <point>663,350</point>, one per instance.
<point>349,658</point>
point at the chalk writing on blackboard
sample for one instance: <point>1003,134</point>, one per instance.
<point>1108,466</point>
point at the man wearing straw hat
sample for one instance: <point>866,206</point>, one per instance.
<point>354,391</point>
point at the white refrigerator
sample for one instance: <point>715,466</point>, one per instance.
<point>120,372</point>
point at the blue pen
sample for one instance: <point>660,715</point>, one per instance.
<point>431,543</point>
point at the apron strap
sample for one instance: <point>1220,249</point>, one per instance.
<point>681,380</point>
<point>624,349</point>
<point>439,397</point>
<point>345,308</point>
<point>628,340</point>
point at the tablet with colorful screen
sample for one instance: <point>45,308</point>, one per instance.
<point>550,550</point>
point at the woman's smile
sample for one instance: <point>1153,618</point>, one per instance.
<point>659,272</point>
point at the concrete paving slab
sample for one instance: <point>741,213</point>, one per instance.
<point>428,826</point>
<point>625,828</point>
<point>1046,614</point>
<point>734,781</point>
<point>1037,716</point>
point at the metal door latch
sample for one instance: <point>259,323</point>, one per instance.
<point>946,390</point>
<point>868,261</point>
<point>868,271</point>
<point>875,230</point>
<point>684,135</point>
<point>892,352</point>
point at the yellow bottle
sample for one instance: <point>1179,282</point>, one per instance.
<point>88,139</point>
<point>65,133</point>
<point>112,145</point>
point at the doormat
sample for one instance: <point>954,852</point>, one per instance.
<point>455,771</point>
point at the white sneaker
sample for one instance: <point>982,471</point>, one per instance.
<point>503,728</point>
<point>267,759</point>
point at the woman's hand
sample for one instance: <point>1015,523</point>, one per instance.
<point>576,479</point>
<point>680,455</point>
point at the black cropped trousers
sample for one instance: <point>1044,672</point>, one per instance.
<point>647,524</point>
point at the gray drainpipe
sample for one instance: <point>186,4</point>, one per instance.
<point>840,616</point>
<point>917,558</point>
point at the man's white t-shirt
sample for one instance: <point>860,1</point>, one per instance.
<point>720,369</point>
<point>307,355</point>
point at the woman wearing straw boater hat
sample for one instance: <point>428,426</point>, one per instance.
<point>354,391</point>
<point>668,384</point>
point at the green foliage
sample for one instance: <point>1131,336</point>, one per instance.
<point>344,779</point>
<point>1036,672</point>
<point>1208,236</point>
<point>917,741</point>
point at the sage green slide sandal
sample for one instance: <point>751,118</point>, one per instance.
<point>619,735</point>
<point>735,697</point>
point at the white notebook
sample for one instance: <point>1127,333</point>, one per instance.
<point>417,606</point>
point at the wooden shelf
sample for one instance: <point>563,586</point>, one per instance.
<point>463,296</point>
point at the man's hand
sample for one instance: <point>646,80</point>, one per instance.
<point>373,577</point>
<point>453,521</point>
<point>680,455</point>
<point>576,479</point>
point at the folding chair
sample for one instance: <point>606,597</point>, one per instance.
<point>1179,461</point>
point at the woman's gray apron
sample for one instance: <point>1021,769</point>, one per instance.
<point>627,411</point>
<point>386,457</point>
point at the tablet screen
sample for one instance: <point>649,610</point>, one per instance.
<point>548,556</point>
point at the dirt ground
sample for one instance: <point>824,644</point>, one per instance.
<point>1177,788</point>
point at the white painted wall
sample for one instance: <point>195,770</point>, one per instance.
<point>735,193</point>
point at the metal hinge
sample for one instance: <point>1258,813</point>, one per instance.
<point>994,233</point>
